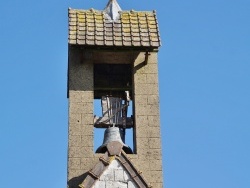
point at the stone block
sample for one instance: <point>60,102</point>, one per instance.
<point>152,78</point>
<point>153,57</point>
<point>149,154</point>
<point>142,109</point>
<point>154,154</point>
<point>80,152</point>
<point>141,120</point>
<point>154,132</point>
<point>81,96</point>
<point>86,151</point>
<point>142,142</point>
<point>155,165</point>
<point>154,120</point>
<point>141,99</point>
<point>116,184</point>
<point>141,132</point>
<point>140,78</point>
<point>147,132</point>
<point>75,118</point>
<point>87,130</point>
<point>116,165</point>
<point>108,175</point>
<point>80,107</point>
<point>143,166</point>
<point>153,99</point>
<point>142,153</point>
<point>87,140</point>
<point>156,176</point>
<point>100,184</point>
<point>75,96</point>
<point>151,68</point>
<point>119,176</point>
<point>89,108</point>
<point>74,163</point>
<point>146,89</point>
<point>75,129</point>
<point>78,129</point>
<point>74,152</point>
<point>87,119</point>
<point>154,143</point>
<point>87,96</point>
<point>74,140</point>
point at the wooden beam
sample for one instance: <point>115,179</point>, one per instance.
<point>99,122</point>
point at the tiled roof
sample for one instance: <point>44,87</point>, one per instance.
<point>131,28</point>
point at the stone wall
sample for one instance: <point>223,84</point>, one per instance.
<point>81,157</point>
<point>147,124</point>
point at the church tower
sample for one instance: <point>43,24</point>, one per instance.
<point>112,58</point>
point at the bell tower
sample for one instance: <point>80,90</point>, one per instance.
<point>112,57</point>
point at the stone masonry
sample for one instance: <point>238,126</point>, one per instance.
<point>80,92</point>
<point>116,177</point>
<point>147,125</point>
<point>81,156</point>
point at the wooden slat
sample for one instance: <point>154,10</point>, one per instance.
<point>99,122</point>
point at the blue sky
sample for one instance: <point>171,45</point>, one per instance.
<point>204,66</point>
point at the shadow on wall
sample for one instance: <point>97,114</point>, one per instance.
<point>76,181</point>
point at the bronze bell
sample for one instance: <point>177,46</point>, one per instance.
<point>114,134</point>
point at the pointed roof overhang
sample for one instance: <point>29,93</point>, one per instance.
<point>114,152</point>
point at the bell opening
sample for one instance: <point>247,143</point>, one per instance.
<point>101,137</point>
<point>113,106</point>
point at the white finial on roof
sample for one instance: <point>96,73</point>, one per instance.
<point>112,9</point>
